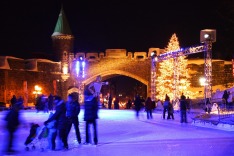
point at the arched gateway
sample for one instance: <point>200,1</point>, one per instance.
<point>80,69</point>
<point>109,64</point>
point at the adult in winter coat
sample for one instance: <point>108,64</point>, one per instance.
<point>225,97</point>
<point>165,106</point>
<point>138,105</point>
<point>170,111</point>
<point>13,120</point>
<point>73,110</point>
<point>61,119</point>
<point>13,101</point>
<point>183,109</point>
<point>149,107</point>
<point>90,116</point>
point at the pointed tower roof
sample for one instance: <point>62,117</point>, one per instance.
<point>62,27</point>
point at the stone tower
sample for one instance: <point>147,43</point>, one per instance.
<point>62,39</point>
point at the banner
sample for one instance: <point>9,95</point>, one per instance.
<point>55,87</point>
<point>25,90</point>
<point>233,67</point>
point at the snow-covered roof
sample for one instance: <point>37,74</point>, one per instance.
<point>201,61</point>
<point>42,60</point>
<point>12,57</point>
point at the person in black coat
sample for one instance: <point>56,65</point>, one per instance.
<point>90,116</point>
<point>183,109</point>
<point>138,105</point>
<point>13,120</point>
<point>73,110</point>
<point>13,101</point>
<point>109,101</point>
<point>61,119</point>
<point>225,97</point>
<point>165,106</point>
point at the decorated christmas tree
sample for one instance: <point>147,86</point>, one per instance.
<point>173,78</point>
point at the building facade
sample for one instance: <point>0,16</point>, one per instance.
<point>66,73</point>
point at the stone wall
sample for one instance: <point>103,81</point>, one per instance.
<point>12,79</point>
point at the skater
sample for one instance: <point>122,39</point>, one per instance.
<point>90,116</point>
<point>170,111</point>
<point>129,104</point>
<point>165,106</point>
<point>50,102</point>
<point>138,105</point>
<point>13,121</point>
<point>60,117</point>
<point>73,110</point>
<point>149,108</point>
<point>110,101</point>
<point>13,101</point>
<point>52,133</point>
<point>183,109</point>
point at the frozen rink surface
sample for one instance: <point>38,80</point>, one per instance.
<point>120,133</point>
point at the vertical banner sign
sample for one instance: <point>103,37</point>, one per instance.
<point>25,90</point>
<point>233,67</point>
<point>55,87</point>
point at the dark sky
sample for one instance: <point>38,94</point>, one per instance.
<point>136,25</point>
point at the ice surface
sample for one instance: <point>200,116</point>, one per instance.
<point>120,133</point>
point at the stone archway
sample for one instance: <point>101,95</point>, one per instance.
<point>117,72</point>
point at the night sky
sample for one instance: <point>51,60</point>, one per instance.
<point>136,25</point>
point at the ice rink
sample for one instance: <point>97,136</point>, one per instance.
<point>120,133</point>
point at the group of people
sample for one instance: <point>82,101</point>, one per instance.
<point>44,103</point>
<point>60,122</point>
<point>15,100</point>
<point>168,107</point>
<point>66,115</point>
<point>184,105</point>
<point>140,103</point>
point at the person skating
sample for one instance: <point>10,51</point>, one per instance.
<point>170,111</point>
<point>73,110</point>
<point>165,106</point>
<point>60,117</point>
<point>149,108</point>
<point>183,109</point>
<point>13,121</point>
<point>90,116</point>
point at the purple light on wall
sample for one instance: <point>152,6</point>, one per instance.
<point>80,68</point>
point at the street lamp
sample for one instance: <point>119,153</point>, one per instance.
<point>202,81</point>
<point>37,90</point>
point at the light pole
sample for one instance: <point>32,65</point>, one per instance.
<point>208,36</point>
<point>37,90</point>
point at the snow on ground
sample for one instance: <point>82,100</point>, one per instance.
<point>120,133</point>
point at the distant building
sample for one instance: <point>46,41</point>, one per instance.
<point>59,75</point>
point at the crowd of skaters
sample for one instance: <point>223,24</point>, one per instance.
<point>148,106</point>
<point>59,122</point>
